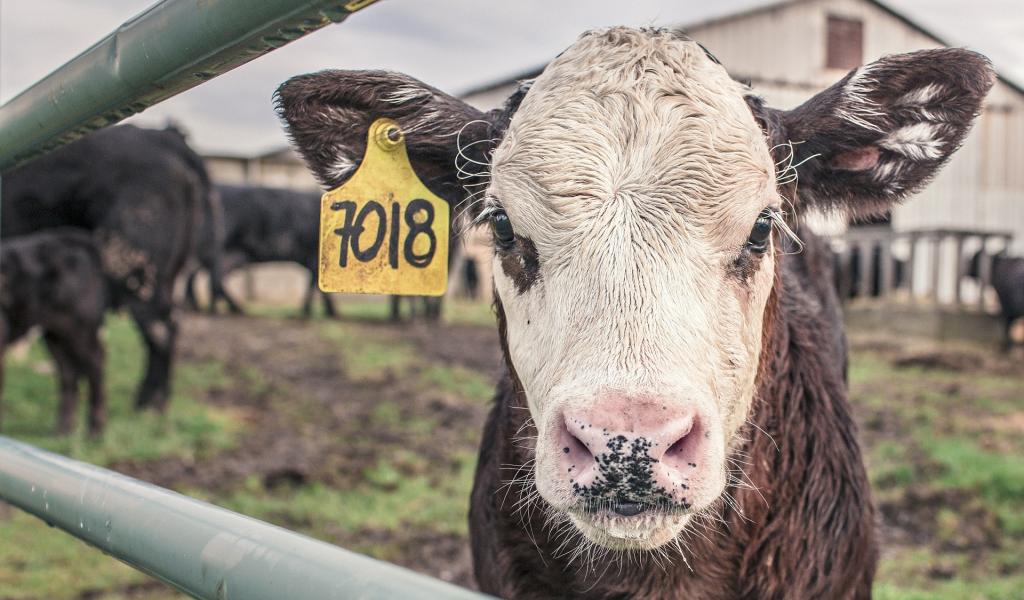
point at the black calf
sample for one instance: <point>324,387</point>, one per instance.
<point>54,280</point>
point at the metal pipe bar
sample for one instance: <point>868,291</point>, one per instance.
<point>200,549</point>
<point>168,48</point>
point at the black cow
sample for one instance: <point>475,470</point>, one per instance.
<point>1008,281</point>
<point>141,193</point>
<point>54,280</point>
<point>263,224</point>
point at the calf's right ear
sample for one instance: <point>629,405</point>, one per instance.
<point>327,116</point>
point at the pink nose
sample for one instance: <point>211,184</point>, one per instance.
<point>632,452</point>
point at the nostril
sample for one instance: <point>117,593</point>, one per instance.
<point>687,439</point>
<point>574,446</point>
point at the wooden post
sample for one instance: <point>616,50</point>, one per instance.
<point>933,289</point>
<point>958,271</point>
<point>866,270</point>
<point>984,272</point>
<point>912,240</point>
<point>887,267</point>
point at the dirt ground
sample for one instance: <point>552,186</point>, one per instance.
<point>333,438</point>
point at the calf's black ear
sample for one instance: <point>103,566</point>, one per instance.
<point>880,133</point>
<point>328,114</point>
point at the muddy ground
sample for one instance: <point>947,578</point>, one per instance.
<point>332,438</point>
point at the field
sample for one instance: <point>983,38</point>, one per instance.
<point>364,434</point>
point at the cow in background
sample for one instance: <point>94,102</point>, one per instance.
<point>1008,281</point>
<point>141,193</point>
<point>260,225</point>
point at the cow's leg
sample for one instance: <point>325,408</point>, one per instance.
<point>93,359</point>
<point>307,300</point>
<point>432,308</point>
<point>328,305</point>
<point>67,377</point>
<point>396,308</point>
<point>3,352</point>
<point>191,302</point>
<point>228,262</point>
<point>159,331</point>
<point>1007,335</point>
<point>218,291</point>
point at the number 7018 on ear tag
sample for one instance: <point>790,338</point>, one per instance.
<point>383,231</point>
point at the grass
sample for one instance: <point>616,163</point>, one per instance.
<point>387,501</point>
<point>943,456</point>
<point>189,428</point>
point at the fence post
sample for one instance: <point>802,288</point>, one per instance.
<point>933,290</point>
<point>911,265</point>
<point>886,266</point>
<point>958,270</point>
<point>866,267</point>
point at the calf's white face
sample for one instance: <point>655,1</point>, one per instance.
<point>632,176</point>
<point>632,197</point>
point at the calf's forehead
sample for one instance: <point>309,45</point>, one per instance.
<point>638,116</point>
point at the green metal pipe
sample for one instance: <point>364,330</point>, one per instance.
<point>168,48</point>
<point>200,549</point>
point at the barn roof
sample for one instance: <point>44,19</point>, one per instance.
<point>767,6</point>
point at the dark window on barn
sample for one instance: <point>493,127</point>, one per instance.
<point>844,43</point>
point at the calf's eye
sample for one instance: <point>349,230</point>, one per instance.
<point>502,227</point>
<point>761,232</point>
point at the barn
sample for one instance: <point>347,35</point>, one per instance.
<point>981,190</point>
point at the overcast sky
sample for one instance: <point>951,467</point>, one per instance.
<point>453,44</point>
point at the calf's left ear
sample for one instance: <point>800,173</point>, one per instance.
<point>328,114</point>
<point>880,133</point>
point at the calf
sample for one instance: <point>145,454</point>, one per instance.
<point>141,194</point>
<point>1008,281</point>
<point>673,421</point>
<point>262,224</point>
<point>54,280</point>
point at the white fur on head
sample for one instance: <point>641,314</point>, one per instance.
<point>637,170</point>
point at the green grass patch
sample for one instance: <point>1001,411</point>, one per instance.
<point>458,381</point>
<point>37,562</point>
<point>365,356</point>
<point>957,589</point>
<point>388,500</point>
<point>190,428</point>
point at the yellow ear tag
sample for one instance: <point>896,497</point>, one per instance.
<point>383,231</point>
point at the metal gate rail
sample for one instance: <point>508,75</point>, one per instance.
<point>200,549</point>
<point>168,48</point>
